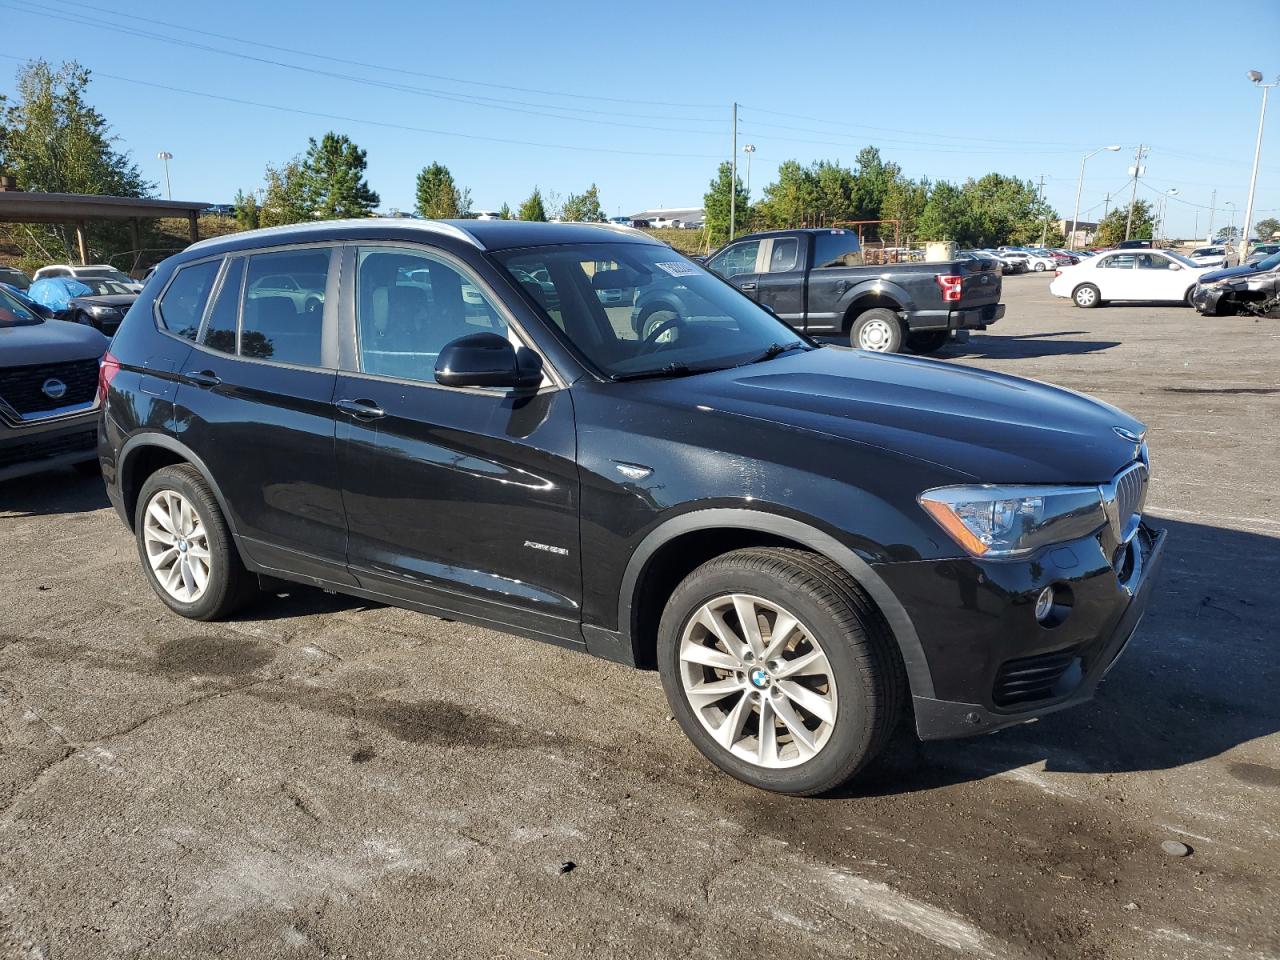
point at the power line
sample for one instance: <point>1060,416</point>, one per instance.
<point>386,124</point>
<point>378,66</point>
<point>515,106</point>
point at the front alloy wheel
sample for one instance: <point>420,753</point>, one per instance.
<point>758,681</point>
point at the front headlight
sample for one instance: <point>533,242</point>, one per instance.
<point>97,310</point>
<point>1001,522</point>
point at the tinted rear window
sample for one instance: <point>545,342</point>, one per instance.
<point>183,303</point>
<point>284,305</point>
<point>220,331</point>
<point>838,248</point>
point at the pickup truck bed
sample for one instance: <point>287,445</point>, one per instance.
<point>815,281</point>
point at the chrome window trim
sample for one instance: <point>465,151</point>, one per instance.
<point>157,317</point>
<point>549,372</point>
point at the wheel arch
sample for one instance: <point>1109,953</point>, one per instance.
<point>677,546</point>
<point>875,293</point>
<point>145,453</point>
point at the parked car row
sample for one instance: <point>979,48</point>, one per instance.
<point>97,296</point>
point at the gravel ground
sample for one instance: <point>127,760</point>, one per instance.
<point>323,777</point>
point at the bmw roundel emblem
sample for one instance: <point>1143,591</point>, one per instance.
<point>53,388</point>
<point>759,678</point>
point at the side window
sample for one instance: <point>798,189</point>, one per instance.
<point>409,305</point>
<point>182,306</point>
<point>284,306</point>
<point>836,248</point>
<point>739,258</point>
<point>1153,261</point>
<point>220,331</point>
<point>785,253</point>
<point>1117,261</point>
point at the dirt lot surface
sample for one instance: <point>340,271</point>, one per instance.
<point>327,778</point>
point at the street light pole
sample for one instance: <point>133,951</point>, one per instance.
<point>1256,77</point>
<point>1075,217</point>
<point>1133,198</point>
<point>1231,223</point>
<point>1164,207</point>
<point>749,149</point>
<point>166,156</point>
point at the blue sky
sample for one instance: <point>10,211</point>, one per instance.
<point>636,97</point>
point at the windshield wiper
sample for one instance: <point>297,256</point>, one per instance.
<point>773,350</point>
<point>674,369</point>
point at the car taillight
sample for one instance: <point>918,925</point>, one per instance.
<point>108,367</point>
<point>951,288</point>
<point>1057,273</point>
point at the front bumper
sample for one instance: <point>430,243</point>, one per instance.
<point>977,626</point>
<point>47,443</point>
<point>1206,298</point>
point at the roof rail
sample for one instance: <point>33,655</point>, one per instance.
<point>430,226</point>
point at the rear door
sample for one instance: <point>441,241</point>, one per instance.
<point>256,403</point>
<point>464,499</point>
<point>780,284</point>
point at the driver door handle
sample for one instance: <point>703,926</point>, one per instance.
<point>202,378</point>
<point>361,409</point>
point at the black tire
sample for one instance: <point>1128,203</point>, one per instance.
<point>1086,296</point>
<point>869,677</point>
<point>880,320</point>
<point>1187,298</point>
<point>930,341</point>
<point>84,318</point>
<point>230,585</point>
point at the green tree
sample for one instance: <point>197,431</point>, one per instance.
<point>905,202</point>
<point>872,180</point>
<point>284,198</point>
<point>1267,229</point>
<point>247,213</point>
<point>504,212</point>
<point>947,215</point>
<point>53,141</point>
<point>333,179</point>
<point>791,200</point>
<point>438,196</point>
<point>1111,229</point>
<point>532,209</point>
<point>716,201</point>
<point>583,207</point>
<point>1006,210</point>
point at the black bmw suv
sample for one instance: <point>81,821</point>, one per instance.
<point>808,543</point>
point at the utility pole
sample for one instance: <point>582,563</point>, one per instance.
<point>1106,207</point>
<point>1256,77</point>
<point>1133,198</point>
<point>733,178</point>
<point>1213,202</point>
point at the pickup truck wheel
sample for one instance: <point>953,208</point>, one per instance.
<point>186,549</point>
<point>930,341</point>
<point>1086,295</point>
<point>878,330</point>
<point>779,670</point>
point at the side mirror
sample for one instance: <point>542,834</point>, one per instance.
<point>488,360</point>
<point>1175,266</point>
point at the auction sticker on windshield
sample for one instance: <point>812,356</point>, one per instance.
<point>678,269</point>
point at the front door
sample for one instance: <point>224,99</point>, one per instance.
<point>738,263</point>
<point>464,500</point>
<point>780,286</point>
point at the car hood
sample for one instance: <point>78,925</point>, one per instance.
<point>107,300</point>
<point>988,427</point>
<point>1243,270</point>
<point>50,341</point>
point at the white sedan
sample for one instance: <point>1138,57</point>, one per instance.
<point>1150,275</point>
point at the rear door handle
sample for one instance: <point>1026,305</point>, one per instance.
<point>202,378</point>
<point>361,409</point>
<point>747,286</point>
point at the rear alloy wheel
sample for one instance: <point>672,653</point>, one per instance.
<point>930,341</point>
<point>778,669</point>
<point>1086,295</point>
<point>878,330</point>
<point>1039,268</point>
<point>186,548</point>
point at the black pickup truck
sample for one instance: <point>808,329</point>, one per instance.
<point>816,281</point>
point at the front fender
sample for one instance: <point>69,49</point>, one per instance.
<point>721,518</point>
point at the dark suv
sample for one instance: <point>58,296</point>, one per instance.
<point>807,542</point>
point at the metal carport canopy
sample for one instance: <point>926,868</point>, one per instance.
<point>76,209</point>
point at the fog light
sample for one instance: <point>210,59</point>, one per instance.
<point>1044,604</point>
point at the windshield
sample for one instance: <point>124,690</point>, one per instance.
<point>101,287</point>
<point>638,309</point>
<point>1180,258</point>
<point>13,313</point>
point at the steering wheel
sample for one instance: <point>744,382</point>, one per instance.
<point>650,342</point>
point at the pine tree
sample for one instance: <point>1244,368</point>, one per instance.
<point>438,196</point>
<point>333,182</point>
<point>532,209</point>
<point>716,203</point>
<point>583,207</point>
<point>285,198</point>
<point>504,212</point>
<point>247,214</point>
